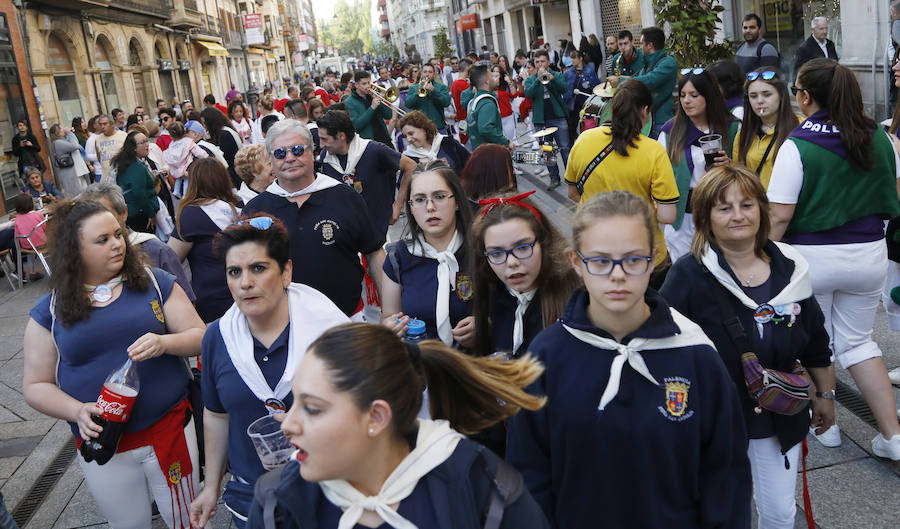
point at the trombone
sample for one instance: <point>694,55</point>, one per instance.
<point>388,96</point>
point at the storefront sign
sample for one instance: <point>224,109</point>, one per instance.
<point>320,47</point>
<point>165,65</point>
<point>777,15</point>
<point>303,42</point>
<point>253,28</point>
<point>459,28</point>
<point>469,21</point>
<point>184,65</point>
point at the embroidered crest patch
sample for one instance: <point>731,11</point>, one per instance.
<point>358,186</point>
<point>675,407</point>
<point>175,472</point>
<point>157,311</point>
<point>464,287</point>
<point>328,228</point>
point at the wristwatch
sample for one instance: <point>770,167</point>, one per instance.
<point>828,395</point>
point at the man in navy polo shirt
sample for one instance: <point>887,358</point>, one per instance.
<point>329,223</point>
<point>369,167</point>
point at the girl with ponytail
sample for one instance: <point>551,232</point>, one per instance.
<point>833,185</point>
<point>633,162</point>
<point>364,458</point>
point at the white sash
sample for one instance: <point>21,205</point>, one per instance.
<point>321,182</point>
<point>524,300</point>
<point>447,269</point>
<point>355,150</point>
<point>426,155</point>
<point>221,213</point>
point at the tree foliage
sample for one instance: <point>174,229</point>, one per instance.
<point>350,30</point>
<point>692,28</point>
<point>442,45</point>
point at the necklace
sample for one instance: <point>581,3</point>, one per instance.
<point>103,292</point>
<point>749,281</point>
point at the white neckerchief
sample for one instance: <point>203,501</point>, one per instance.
<point>221,213</point>
<point>798,288</point>
<point>447,269</point>
<point>425,155</point>
<point>321,182</point>
<point>690,334</point>
<point>311,314</point>
<point>355,150</point>
<point>435,443</point>
<point>139,237</point>
<point>523,299</point>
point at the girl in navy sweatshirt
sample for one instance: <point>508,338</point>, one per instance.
<point>642,426</point>
<point>521,275</point>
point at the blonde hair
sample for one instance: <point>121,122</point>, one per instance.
<point>611,204</point>
<point>248,159</point>
<point>267,102</point>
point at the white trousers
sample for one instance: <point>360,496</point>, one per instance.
<point>773,485</point>
<point>125,486</point>
<point>678,242</point>
<point>847,280</point>
<point>509,126</point>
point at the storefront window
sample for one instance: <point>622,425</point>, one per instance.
<point>12,109</point>
<point>786,23</point>
<point>134,59</point>
<point>166,83</point>
<point>64,78</point>
<point>107,78</point>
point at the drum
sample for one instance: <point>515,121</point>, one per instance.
<point>589,117</point>
<point>606,117</point>
<point>545,156</point>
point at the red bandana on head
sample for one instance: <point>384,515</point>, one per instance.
<point>517,200</point>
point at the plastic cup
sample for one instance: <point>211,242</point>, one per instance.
<point>711,144</point>
<point>272,447</point>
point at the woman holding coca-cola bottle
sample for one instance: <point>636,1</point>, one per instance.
<point>107,309</point>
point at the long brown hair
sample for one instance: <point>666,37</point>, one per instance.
<point>370,362</point>
<point>488,171</point>
<point>835,88</point>
<point>64,256</point>
<point>555,282</point>
<point>717,115</point>
<point>752,124</point>
<point>627,105</point>
<point>711,190</point>
<point>207,180</point>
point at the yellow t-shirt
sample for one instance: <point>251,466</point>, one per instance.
<point>755,154</point>
<point>646,172</point>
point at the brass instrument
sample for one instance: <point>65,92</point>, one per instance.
<point>545,77</point>
<point>388,96</point>
<point>422,91</point>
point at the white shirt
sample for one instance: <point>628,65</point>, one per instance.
<point>824,45</point>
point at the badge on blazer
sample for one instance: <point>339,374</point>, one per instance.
<point>464,287</point>
<point>157,311</point>
<point>175,472</point>
<point>358,186</point>
<point>274,406</point>
<point>676,398</point>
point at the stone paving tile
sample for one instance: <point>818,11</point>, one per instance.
<point>862,494</point>
<point>59,498</point>
<point>11,372</point>
<point>14,325</point>
<point>9,346</point>
<point>12,400</point>
<point>7,416</point>
<point>20,446</point>
<point>12,430</point>
<point>8,466</point>
<point>30,469</point>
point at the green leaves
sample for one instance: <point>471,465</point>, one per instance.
<point>692,26</point>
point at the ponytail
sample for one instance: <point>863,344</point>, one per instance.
<point>370,362</point>
<point>627,105</point>
<point>176,131</point>
<point>835,88</point>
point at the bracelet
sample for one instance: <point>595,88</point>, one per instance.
<point>828,395</point>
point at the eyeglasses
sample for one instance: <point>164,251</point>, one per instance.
<point>260,223</point>
<point>695,71</point>
<point>796,89</point>
<point>281,152</point>
<point>439,199</point>
<point>633,265</point>
<point>165,118</point>
<point>767,75</point>
<point>520,252</point>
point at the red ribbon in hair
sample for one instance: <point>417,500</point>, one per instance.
<point>492,203</point>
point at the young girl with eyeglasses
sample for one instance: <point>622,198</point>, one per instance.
<point>426,273</point>
<point>701,111</point>
<point>638,403</point>
<point>768,121</point>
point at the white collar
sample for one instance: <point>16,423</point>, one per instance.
<point>321,182</point>
<point>355,150</point>
<point>425,155</point>
<point>447,269</point>
<point>221,213</point>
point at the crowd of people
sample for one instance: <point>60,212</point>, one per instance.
<point>595,370</point>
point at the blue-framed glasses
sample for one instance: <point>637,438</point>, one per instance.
<point>281,152</point>
<point>633,265</point>
<point>260,223</point>
<point>767,75</point>
<point>695,71</point>
<point>520,252</point>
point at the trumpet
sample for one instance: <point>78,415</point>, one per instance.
<point>422,91</point>
<point>545,77</point>
<point>388,96</point>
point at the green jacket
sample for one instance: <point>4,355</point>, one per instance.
<point>660,74</point>
<point>534,91</point>
<point>362,115</point>
<point>484,124</point>
<point>139,190</point>
<point>432,105</point>
<point>630,69</point>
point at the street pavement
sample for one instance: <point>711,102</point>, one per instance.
<point>850,488</point>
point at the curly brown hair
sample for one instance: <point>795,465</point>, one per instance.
<point>64,256</point>
<point>419,120</point>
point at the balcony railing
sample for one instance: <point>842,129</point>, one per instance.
<point>158,8</point>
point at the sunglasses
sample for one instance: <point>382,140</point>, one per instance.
<point>767,75</point>
<point>281,152</point>
<point>796,89</point>
<point>695,71</point>
<point>260,223</point>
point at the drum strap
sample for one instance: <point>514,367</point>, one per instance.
<point>591,166</point>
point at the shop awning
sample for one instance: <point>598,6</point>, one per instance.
<point>215,50</point>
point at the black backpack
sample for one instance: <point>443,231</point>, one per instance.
<point>508,487</point>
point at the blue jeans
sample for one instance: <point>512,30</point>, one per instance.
<point>6,520</point>
<point>562,139</point>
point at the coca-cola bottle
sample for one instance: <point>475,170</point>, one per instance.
<point>117,401</point>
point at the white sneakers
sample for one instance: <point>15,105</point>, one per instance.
<point>894,375</point>
<point>830,438</point>
<point>889,449</point>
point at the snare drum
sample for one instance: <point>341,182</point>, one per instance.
<point>590,112</point>
<point>529,157</point>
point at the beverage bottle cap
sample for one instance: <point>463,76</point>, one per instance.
<point>415,327</point>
